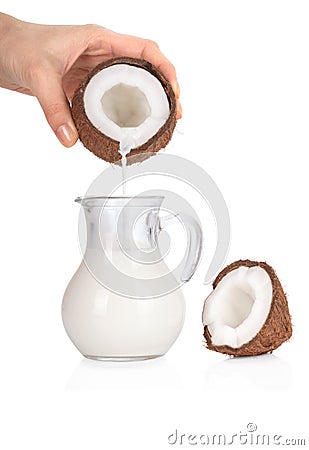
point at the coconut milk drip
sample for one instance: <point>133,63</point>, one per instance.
<point>127,141</point>
<point>124,149</point>
<point>130,137</point>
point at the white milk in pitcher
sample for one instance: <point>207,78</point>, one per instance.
<point>104,325</point>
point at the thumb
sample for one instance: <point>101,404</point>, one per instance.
<point>56,109</point>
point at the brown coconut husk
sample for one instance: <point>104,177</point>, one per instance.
<point>277,327</point>
<point>103,146</point>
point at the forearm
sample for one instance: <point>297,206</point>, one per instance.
<point>7,25</point>
<point>13,53</point>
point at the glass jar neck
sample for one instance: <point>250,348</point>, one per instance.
<point>121,223</point>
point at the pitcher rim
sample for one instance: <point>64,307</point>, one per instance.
<point>107,201</point>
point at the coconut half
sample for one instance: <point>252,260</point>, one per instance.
<point>247,313</point>
<point>124,103</point>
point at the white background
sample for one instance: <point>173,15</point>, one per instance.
<point>244,75</point>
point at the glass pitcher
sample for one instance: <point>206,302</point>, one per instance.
<point>123,303</point>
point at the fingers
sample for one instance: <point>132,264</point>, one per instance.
<point>153,54</point>
<point>123,45</point>
<point>54,103</point>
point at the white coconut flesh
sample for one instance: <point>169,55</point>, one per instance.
<point>238,307</point>
<point>126,103</point>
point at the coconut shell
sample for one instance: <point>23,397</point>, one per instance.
<point>107,148</point>
<point>277,327</point>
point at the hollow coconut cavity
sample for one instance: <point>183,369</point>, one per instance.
<point>247,313</point>
<point>124,104</point>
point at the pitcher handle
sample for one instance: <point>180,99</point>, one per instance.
<point>195,239</point>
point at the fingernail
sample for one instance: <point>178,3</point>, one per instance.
<point>66,135</point>
<point>176,88</point>
<point>179,110</point>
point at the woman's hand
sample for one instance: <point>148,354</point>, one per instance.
<point>50,61</point>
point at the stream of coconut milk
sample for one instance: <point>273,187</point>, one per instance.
<point>124,149</point>
<point>127,141</point>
